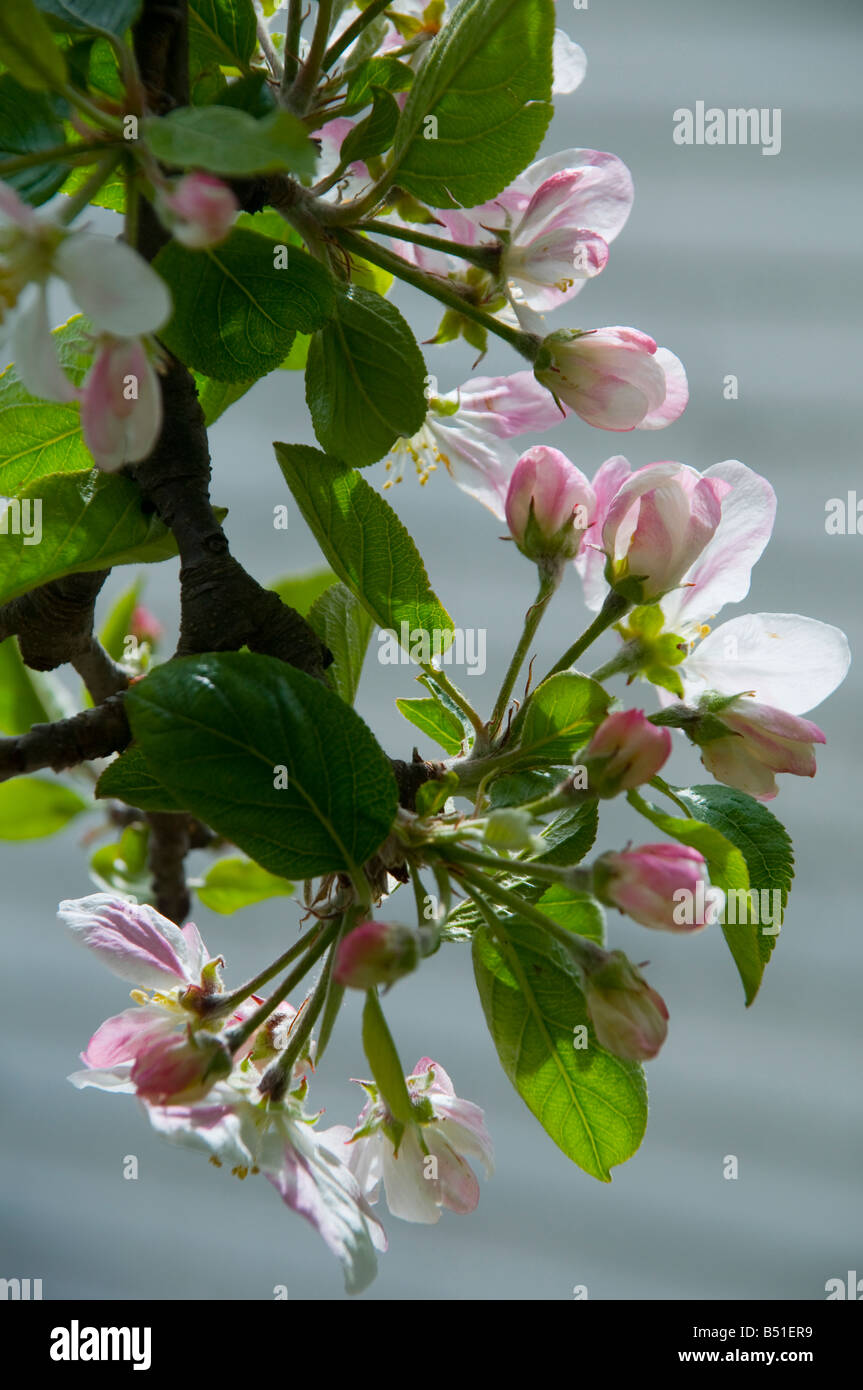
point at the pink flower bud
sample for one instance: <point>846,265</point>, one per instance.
<point>376,953</point>
<point>651,884</point>
<point>199,211</point>
<point>177,1068</point>
<point>762,741</point>
<point>614,378</point>
<point>625,751</point>
<point>630,1019</point>
<point>144,625</point>
<point>121,404</point>
<point>549,505</point>
<point>657,525</point>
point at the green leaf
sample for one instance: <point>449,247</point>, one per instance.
<point>728,870</point>
<point>234,883</point>
<point>573,910</point>
<point>111,195</point>
<point>375,134</point>
<point>90,521</point>
<point>300,591</point>
<point>111,16</point>
<point>39,437</point>
<point>252,93</point>
<point>434,719</point>
<point>299,354</point>
<point>344,626</point>
<point>766,846</point>
<point>571,835</point>
<point>228,141</point>
<point>370,277</point>
<point>21,704</point>
<point>223,31</point>
<point>217,396</point>
<point>131,779</point>
<point>116,626</point>
<point>365,379</point>
<point>384,72</point>
<point>218,730</point>
<point>486,86</point>
<point>561,715</point>
<point>31,807</point>
<point>514,788</point>
<point>123,867</point>
<point>27,47</point>
<point>235,314</point>
<point>365,542</point>
<point>592,1104</point>
<point>433,795</point>
<point>29,122</point>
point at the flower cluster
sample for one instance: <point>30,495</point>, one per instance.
<point>201,1089</point>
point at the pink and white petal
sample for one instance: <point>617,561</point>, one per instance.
<point>14,210</point>
<point>134,940</point>
<point>730,762</point>
<point>676,392</point>
<point>36,358</point>
<point>410,1195</point>
<point>198,955</point>
<point>213,1129</point>
<point>123,1037</point>
<point>462,1124</point>
<point>569,63</point>
<point>749,716</point>
<point>722,572</point>
<point>507,406</point>
<point>105,1079</point>
<point>785,659</point>
<point>604,195</point>
<point>590,561</point>
<point>607,402</point>
<point>145,421</point>
<point>456,1182</point>
<point>113,285</point>
<point>313,1183</point>
<point>440,1080</point>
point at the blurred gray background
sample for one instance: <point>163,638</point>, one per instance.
<point>741,264</point>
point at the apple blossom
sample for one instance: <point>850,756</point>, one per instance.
<point>614,378</point>
<point>199,210</point>
<point>424,1169</point>
<point>144,626</point>
<point>114,286</point>
<point>121,403</point>
<point>466,430</point>
<point>761,741</point>
<point>642,883</point>
<point>630,1018</point>
<point>548,506</point>
<point>624,752</point>
<point>781,659</point>
<point>135,941</point>
<point>656,525</point>
<point>195,1093</point>
<point>280,1142</point>
<point>559,217</point>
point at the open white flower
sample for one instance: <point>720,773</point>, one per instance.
<point>107,279</point>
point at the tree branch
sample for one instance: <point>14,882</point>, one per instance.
<point>54,624</point>
<point>94,733</point>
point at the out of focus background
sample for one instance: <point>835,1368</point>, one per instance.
<point>743,264</point>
